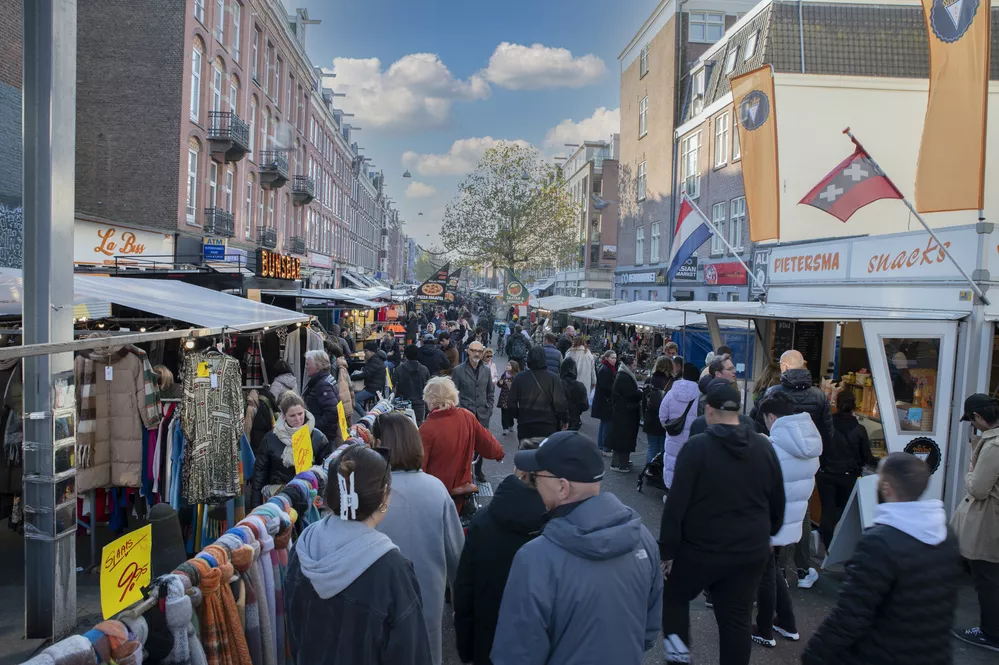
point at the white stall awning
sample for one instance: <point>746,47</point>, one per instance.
<point>663,318</point>
<point>757,310</point>
<point>566,303</point>
<point>12,298</point>
<point>614,313</point>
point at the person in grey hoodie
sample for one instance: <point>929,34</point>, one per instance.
<point>589,589</point>
<point>350,595</point>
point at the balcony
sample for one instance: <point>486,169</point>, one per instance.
<point>219,222</point>
<point>228,136</point>
<point>273,168</point>
<point>303,190</point>
<point>296,245</point>
<point>267,237</point>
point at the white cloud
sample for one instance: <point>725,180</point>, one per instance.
<point>519,67</point>
<point>461,158</point>
<point>598,127</point>
<point>419,190</point>
<point>416,91</point>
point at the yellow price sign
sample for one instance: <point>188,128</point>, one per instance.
<point>301,448</point>
<point>342,417</point>
<point>203,370</point>
<point>388,377</point>
<point>125,570</point>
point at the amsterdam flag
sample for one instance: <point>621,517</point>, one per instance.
<point>435,288</point>
<point>950,174</point>
<point>753,94</point>
<point>854,183</point>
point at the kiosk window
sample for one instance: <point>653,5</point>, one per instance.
<point>912,375</point>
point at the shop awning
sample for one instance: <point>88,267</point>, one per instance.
<point>181,301</point>
<point>12,298</point>
<point>614,313</point>
<point>756,310</point>
<point>663,318</point>
<point>542,286</point>
<point>348,296</point>
<point>487,291</point>
<point>567,303</point>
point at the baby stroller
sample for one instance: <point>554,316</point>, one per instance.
<point>653,474</point>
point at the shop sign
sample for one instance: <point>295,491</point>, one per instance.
<point>637,278</point>
<point>912,257</point>
<point>99,244</point>
<point>278,266</point>
<point>724,274</point>
<point>687,271</point>
<point>320,260</point>
<point>803,263</point>
<point>761,262</point>
<point>213,249</point>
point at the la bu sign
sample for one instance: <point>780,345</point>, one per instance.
<point>278,266</point>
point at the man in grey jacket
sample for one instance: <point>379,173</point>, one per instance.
<point>474,382</point>
<point>590,589</point>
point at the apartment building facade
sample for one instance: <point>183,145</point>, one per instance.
<point>11,210</point>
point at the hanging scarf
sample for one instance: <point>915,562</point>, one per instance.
<point>284,432</point>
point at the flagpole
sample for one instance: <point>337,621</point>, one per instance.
<point>943,248</point>
<point>722,236</point>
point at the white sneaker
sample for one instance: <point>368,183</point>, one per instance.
<point>809,580</point>
<point>770,644</point>
<point>786,634</point>
<point>676,651</point>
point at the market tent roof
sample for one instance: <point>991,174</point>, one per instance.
<point>178,300</point>
<point>487,291</point>
<point>615,313</point>
<point>663,318</point>
<point>541,286</point>
<point>350,296</point>
<point>760,310</point>
<point>565,303</point>
<point>12,291</point>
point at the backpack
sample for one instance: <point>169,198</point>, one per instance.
<point>518,347</point>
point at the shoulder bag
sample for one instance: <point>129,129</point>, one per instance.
<point>675,426</point>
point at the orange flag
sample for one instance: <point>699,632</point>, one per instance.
<point>753,94</point>
<point>950,174</point>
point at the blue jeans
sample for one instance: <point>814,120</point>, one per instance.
<point>602,434</point>
<point>360,398</point>
<point>656,445</point>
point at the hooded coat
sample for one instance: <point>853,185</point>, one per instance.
<point>798,446</point>
<point>673,406</point>
<point>537,399</point>
<point>897,603</point>
<point>575,394</point>
<point>431,357</point>
<point>626,406</point>
<point>351,597</point>
<point>282,384</point>
<point>275,463</point>
<point>514,517</point>
<point>548,617</point>
<point>797,384</point>
<point>602,395</point>
<point>321,395</point>
<point>410,379</point>
<point>373,373</point>
<point>850,450</point>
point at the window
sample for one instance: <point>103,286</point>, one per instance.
<point>736,146</point>
<point>643,113</point>
<point>638,294</point>
<point>270,209</point>
<point>718,219</point>
<point>253,124</point>
<point>691,147</point>
<point>199,10</point>
<point>260,208</point>
<point>235,31</point>
<point>698,91</point>
<point>195,83</point>
<point>705,27</point>
<point>733,296</point>
<point>192,183</point>
<point>721,140</point>
<point>267,69</point>
<point>216,88</point>
<point>643,61</point>
<point>713,296</point>
<point>751,46</point>
<point>255,54</point>
<point>229,175</point>
<point>654,248</point>
<point>639,248</point>
<point>736,220</point>
<point>287,97</point>
<point>733,57</point>
<point>248,213</point>
<point>641,181</point>
<point>220,21</point>
<point>213,183</point>
<point>233,88</point>
<point>912,370</point>
<point>277,81</point>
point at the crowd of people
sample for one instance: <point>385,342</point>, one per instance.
<point>552,569</point>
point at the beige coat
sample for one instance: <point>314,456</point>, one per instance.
<point>976,520</point>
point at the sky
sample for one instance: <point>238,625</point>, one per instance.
<point>434,84</point>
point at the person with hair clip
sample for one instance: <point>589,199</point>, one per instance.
<point>423,521</point>
<point>350,594</point>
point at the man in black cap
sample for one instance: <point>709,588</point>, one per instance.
<point>726,501</point>
<point>590,588</point>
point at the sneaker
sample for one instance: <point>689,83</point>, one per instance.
<point>787,634</point>
<point>809,580</point>
<point>621,469</point>
<point>676,651</point>
<point>607,453</point>
<point>708,603</point>
<point>976,637</point>
<point>762,641</point>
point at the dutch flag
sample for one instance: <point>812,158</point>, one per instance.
<point>692,231</point>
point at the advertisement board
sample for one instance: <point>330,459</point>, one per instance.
<point>725,274</point>
<point>98,244</point>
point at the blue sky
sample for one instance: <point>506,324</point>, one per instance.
<point>431,82</point>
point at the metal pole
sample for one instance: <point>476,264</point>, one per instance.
<point>49,176</point>
<point>724,240</point>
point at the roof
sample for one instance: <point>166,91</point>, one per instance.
<point>663,318</point>
<point>565,303</point>
<point>324,295</point>
<point>616,312</point>
<point>797,312</point>
<point>12,301</point>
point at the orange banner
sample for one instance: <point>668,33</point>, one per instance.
<point>753,94</point>
<point>950,174</point>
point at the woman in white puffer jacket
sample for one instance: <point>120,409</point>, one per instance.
<point>798,445</point>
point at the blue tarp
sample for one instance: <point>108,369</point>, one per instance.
<point>695,344</point>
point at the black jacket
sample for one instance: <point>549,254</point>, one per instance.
<point>850,450</point>
<point>321,395</point>
<point>374,373</point>
<point>410,379</point>
<point>376,620</point>
<point>390,345</point>
<point>517,349</point>
<point>412,329</point>
<point>537,399</point>
<point>513,517</point>
<point>626,406</point>
<point>602,392</point>
<point>563,344</point>
<point>652,397</point>
<point>575,394</point>
<point>727,497</point>
<point>348,343</point>
<point>263,421</point>
<point>700,424</point>
<point>798,384</point>
<point>896,605</point>
<point>269,467</point>
<point>431,357</point>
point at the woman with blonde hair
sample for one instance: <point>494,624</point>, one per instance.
<point>586,372</point>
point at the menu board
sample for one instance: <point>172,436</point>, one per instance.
<point>808,341</point>
<point>783,338</point>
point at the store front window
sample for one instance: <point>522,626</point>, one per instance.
<point>912,367</point>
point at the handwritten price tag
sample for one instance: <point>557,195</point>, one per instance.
<point>301,448</point>
<point>125,570</point>
<point>342,417</point>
